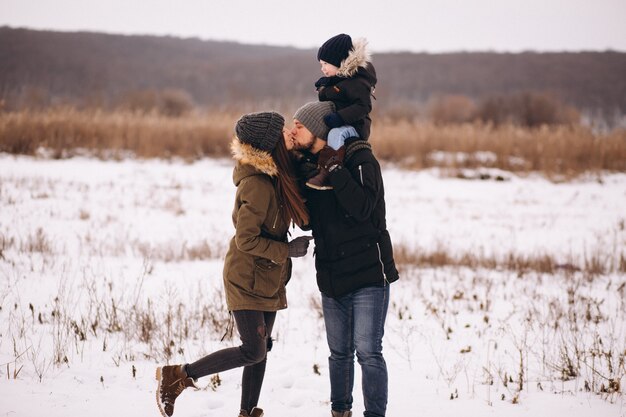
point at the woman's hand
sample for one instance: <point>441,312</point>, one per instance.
<point>299,246</point>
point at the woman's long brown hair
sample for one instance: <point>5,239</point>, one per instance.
<point>287,187</point>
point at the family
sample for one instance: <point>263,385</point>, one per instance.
<point>322,176</point>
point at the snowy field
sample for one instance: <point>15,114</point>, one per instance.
<point>108,269</point>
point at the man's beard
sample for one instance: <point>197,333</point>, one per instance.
<point>304,146</point>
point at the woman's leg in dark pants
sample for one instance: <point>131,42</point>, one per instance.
<point>253,375</point>
<point>254,329</point>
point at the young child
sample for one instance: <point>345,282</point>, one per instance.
<point>349,81</point>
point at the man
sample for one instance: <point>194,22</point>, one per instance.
<point>353,258</point>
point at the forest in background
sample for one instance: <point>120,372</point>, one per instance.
<point>40,68</point>
<point>114,96</point>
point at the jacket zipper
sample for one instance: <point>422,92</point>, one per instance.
<point>382,266</point>
<point>380,257</point>
<point>276,219</point>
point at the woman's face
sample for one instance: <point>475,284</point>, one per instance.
<point>288,139</point>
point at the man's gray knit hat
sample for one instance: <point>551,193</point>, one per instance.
<point>261,130</point>
<point>311,115</point>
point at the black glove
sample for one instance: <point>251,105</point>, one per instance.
<point>306,170</point>
<point>333,120</point>
<point>322,82</point>
<point>298,246</point>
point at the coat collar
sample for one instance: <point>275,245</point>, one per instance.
<point>246,154</point>
<point>359,56</point>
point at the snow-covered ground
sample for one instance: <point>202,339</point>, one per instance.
<point>110,268</point>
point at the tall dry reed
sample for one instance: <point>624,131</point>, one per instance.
<point>553,150</point>
<point>66,131</point>
<point>559,151</point>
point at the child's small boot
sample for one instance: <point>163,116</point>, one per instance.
<point>327,158</point>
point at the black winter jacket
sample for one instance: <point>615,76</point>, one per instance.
<point>352,245</point>
<point>352,97</point>
<point>351,89</point>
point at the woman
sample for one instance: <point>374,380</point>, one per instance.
<point>257,265</point>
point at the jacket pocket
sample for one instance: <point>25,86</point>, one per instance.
<point>267,277</point>
<point>333,93</point>
<point>358,267</point>
<point>356,255</point>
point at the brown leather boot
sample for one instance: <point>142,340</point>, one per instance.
<point>328,157</point>
<point>172,381</point>
<point>341,413</point>
<point>256,412</point>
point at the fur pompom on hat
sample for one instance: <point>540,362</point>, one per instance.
<point>311,115</point>
<point>335,50</point>
<point>260,130</point>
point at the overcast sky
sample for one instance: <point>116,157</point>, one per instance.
<point>389,25</point>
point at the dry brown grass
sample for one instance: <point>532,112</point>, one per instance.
<point>591,264</point>
<point>66,132</point>
<point>557,151</point>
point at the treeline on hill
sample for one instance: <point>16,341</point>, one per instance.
<point>112,96</point>
<point>39,68</point>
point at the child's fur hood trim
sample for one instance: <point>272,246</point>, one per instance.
<point>359,56</point>
<point>247,154</point>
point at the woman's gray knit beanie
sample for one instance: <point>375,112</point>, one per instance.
<point>311,115</point>
<point>261,130</point>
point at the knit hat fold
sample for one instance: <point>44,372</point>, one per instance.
<point>335,50</point>
<point>261,130</point>
<point>311,115</point>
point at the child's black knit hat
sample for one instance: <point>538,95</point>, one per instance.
<point>335,50</point>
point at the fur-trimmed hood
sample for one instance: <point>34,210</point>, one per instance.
<point>252,161</point>
<point>359,56</point>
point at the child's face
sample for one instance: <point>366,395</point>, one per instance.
<point>329,70</point>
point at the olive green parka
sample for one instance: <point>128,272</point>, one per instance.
<point>257,266</point>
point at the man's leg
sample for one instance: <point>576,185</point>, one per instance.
<point>339,330</point>
<point>370,310</point>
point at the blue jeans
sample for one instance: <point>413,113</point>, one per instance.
<point>356,322</point>
<point>337,136</point>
